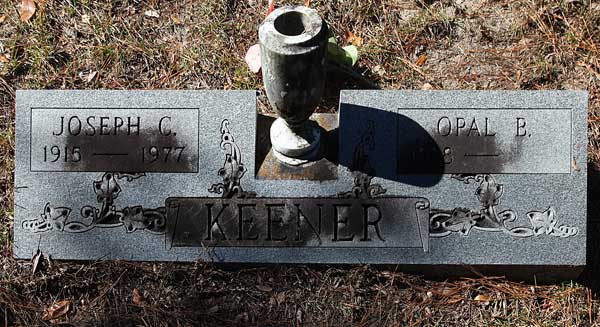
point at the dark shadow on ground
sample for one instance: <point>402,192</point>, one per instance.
<point>591,275</point>
<point>346,79</point>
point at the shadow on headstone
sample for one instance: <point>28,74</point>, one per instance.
<point>388,145</point>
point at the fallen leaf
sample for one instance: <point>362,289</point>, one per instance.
<point>271,7</point>
<point>306,3</point>
<point>454,300</point>
<point>176,19</point>
<point>253,58</point>
<point>353,39</point>
<point>27,10</point>
<point>138,299</point>
<point>483,298</point>
<point>379,70</point>
<point>87,77</point>
<point>272,300</point>
<point>427,312</point>
<point>152,13</point>
<point>264,288</point>
<point>352,52</point>
<point>575,165</point>
<point>91,76</point>
<point>49,261</point>
<point>280,297</point>
<point>85,19</point>
<point>346,56</point>
<point>421,60</point>
<point>427,86</point>
<point>242,317</point>
<point>36,260</point>
<point>2,19</point>
<point>57,310</point>
<point>4,59</point>
<point>547,304</point>
<point>213,309</point>
<point>446,291</point>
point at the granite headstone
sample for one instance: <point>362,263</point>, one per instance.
<point>504,172</point>
<point>420,179</point>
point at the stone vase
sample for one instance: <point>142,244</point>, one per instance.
<point>293,45</point>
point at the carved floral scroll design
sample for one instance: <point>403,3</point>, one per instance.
<point>233,168</point>
<point>489,218</point>
<point>106,215</point>
<point>135,218</point>
<point>361,168</point>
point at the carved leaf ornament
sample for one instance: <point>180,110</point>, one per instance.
<point>489,192</point>
<point>107,189</point>
<point>233,169</point>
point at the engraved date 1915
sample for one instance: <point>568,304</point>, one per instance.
<point>55,153</point>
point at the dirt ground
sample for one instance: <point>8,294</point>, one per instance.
<point>180,44</point>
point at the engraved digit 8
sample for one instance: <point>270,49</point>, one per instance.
<point>448,158</point>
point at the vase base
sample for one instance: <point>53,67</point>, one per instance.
<point>297,145</point>
<point>309,157</point>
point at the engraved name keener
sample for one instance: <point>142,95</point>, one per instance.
<point>278,222</point>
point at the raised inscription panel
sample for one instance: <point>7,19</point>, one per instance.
<point>484,140</point>
<point>114,139</point>
<point>387,222</point>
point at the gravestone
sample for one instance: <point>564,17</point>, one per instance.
<point>94,168</point>
<point>504,172</point>
<point>412,178</point>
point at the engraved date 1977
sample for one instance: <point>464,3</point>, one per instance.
<point>162,154</point>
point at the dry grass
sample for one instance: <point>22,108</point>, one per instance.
<point>469,44</point>
<point>183,294</point>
